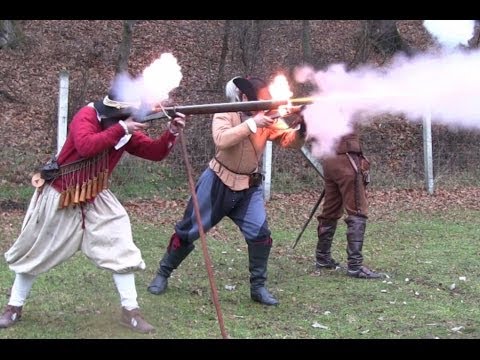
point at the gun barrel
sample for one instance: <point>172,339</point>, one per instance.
<point>226,107</point>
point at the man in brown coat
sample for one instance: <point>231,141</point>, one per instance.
<point>346,175</point>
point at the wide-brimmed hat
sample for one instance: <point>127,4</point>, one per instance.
<point>111,108</point>
<point>246,87</point>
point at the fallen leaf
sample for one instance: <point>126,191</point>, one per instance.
<point>320,326</point>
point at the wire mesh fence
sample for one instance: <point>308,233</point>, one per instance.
<point>456,161</point>
<point>394,147</point>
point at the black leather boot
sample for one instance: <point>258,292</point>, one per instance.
<point>258,258</point>
<point>355,234</point>
<point>325,231</point>
<point>170,261</point>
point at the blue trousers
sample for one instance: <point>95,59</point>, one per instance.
<point>246,208</point>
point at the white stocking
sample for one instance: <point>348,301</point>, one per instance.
<point>20,289</point>
<point>126,288</point>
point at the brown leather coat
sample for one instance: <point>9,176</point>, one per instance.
<point>344,184</point>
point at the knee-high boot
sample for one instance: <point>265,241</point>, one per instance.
<point>356,226</point>
<point>176,253</point>
<point>258,258</point>
<point>325,231</point>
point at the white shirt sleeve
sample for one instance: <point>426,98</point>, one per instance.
<point>252,125</point>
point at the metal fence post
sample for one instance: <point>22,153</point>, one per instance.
<point>427,151</point>
<point>267,170</point>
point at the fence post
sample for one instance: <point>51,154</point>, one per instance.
<point>267,170</point>
<point>62,110</point>
<point>427,151</point>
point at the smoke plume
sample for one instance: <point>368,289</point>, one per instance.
<point>450,33</point>
<point>152,87</point>
<point>445,84</point>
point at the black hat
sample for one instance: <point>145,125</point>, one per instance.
<point>246,87</point>
<point>110,107</point>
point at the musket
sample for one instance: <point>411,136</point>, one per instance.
<point>225,107</point>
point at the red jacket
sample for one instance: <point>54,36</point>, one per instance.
<point>86,139</point>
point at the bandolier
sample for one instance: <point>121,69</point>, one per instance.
<point>82,180</point>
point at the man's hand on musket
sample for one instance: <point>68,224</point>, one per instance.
<point>262,120</point>
<point>132,125</point>
<point>177,123</point>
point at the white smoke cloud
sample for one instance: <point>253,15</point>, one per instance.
<point>450,33</point>
<point>447,85</point>
<point>161,77</point>
<point>126,88</point>
<point>152,87</point>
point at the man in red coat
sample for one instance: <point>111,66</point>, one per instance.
<point>74,209</point>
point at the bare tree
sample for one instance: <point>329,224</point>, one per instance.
<point>125,46</point>
<point>306,43</point>
<point>248,34</point>
<point>10,33</point>
<point>381,36</point>
<point>223,56</point>
<point>10,37</point>
<point>475,40</point>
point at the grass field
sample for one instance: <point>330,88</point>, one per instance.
<point>431,257</point>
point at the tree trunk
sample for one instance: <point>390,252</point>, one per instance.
<point>223,55</point>
<point>385,37</point>
<point>125,46</point>
<point>248,34</point>
<point>10,34</point>
<point>381,36</point>
<point>306,43</point>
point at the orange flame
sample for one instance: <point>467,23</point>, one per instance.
<point>280,90</point>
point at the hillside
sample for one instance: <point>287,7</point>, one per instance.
<point>87,49</point>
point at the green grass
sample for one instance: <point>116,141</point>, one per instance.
<point>423,254</point>
<point>141,179</point>
<point>15,195</point>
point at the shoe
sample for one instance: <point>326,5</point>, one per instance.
<point>330,264</point>
<point>158,285</point>
<point>134,320</point>
<point>363,273</point>
<point>10,316</point>
<point>263,296</point>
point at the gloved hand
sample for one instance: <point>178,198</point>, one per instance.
<point>177,123</point>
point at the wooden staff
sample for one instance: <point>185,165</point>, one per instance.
<point>206,256</point>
